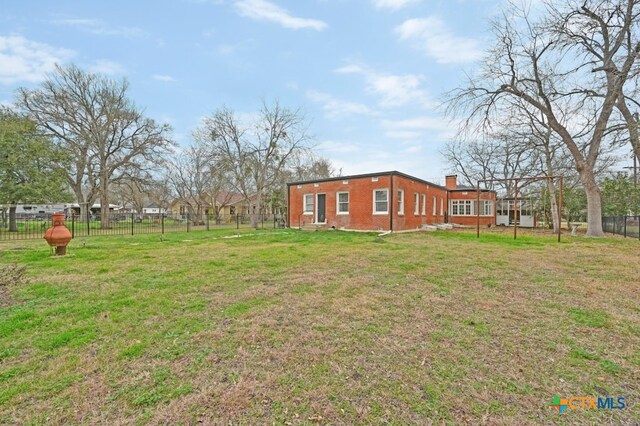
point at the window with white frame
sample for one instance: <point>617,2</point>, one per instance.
<point>308,203</point>
<point>486,208</point>
<point>400,201</point>
<point>380,201</point>
<point>468,207</point>
<point>461,207</point>
<point>441,206</point>
<point>435,206</point>
<point>342,198</point>
<point>416,203</point>
<point>424,205</point>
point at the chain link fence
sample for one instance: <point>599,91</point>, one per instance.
<point>628,226</point>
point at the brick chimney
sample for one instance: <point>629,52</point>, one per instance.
<point>452,182</point>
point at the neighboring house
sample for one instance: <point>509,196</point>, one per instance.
<point>46,209</point>
<point>153,209</point>
<point>38,209</point>
<point>384,201</point>
<point>95,208</point>
<point>224,204</point>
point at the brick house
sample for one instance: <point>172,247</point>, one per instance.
<point>391,201</point>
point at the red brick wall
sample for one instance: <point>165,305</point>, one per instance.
<point>361,215</point>
<point>410,220</point>
<point>472,220</point>
<point>360,203</point>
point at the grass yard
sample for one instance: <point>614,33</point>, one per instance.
<point>291,327</point>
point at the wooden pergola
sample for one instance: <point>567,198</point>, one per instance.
<point>515,200</point>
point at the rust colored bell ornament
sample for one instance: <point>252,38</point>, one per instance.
<point>58,235</point>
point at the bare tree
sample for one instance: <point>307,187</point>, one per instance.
<point>307,165</point>
<point>191,178</point>
<point>132,192</point>
<point>160,191</point>
<point>256,154</point>
<point>570,67</point>
<point>502,156</point>
<point>93,119</point>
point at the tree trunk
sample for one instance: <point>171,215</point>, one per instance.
<point>255,216</point>
<point>553,205</point>
<point>104,204</point>
<point>83,202</point>
<point>594,204</point>
<point>13,222</point>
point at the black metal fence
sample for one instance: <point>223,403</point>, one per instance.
<point>30,227</point>
<point>628,226</point>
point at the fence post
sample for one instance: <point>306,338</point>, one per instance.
<point>162,222</point>
<point>625,226</point>
<point>262,220</point>
<point>207,216</point>
<point>88,220</point>
<point>132,222</point>
<point>73,225</point>
<point>238,221</point>
<point>188,220</point>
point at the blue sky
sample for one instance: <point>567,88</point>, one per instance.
<point>369,74</point>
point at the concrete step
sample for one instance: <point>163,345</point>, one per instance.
<point>311,227</point>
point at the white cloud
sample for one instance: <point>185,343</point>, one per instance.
<point>434,37</point>
<point>337,107</point>
<point>394,90</point>
<point>225,49</point>
<point>262,10</point>
<point>165,78</point>
<point>398,90</point>
<point>392,4</point>
<point>104,66</point>
<point>423,123</point>
<point>338,147</point>
<point>412,128</point>
<point>99,27</point>
<point>351,69</point>
<point>25,60</point>
<point>402,134</point>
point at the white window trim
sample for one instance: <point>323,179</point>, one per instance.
<point>462,203</point>
<point>401,199</point>
<point>416,204</point>
<point>423,197</point>
<point>325,208</point>
<point>373,194</point>
<point>441,206</point>
<point>435,205</point>
<point>304,205</point>
<point>491,209</point>
<point>474,207</point>
<point>338,212</point>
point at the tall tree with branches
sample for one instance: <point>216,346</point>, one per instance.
<point>93,119</point>
<point>30,165</point>
<point>256,153</point>
<point>569,66</point>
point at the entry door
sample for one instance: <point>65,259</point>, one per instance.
<point>321,206</point>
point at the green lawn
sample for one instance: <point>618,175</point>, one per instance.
<point>285,326</point>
